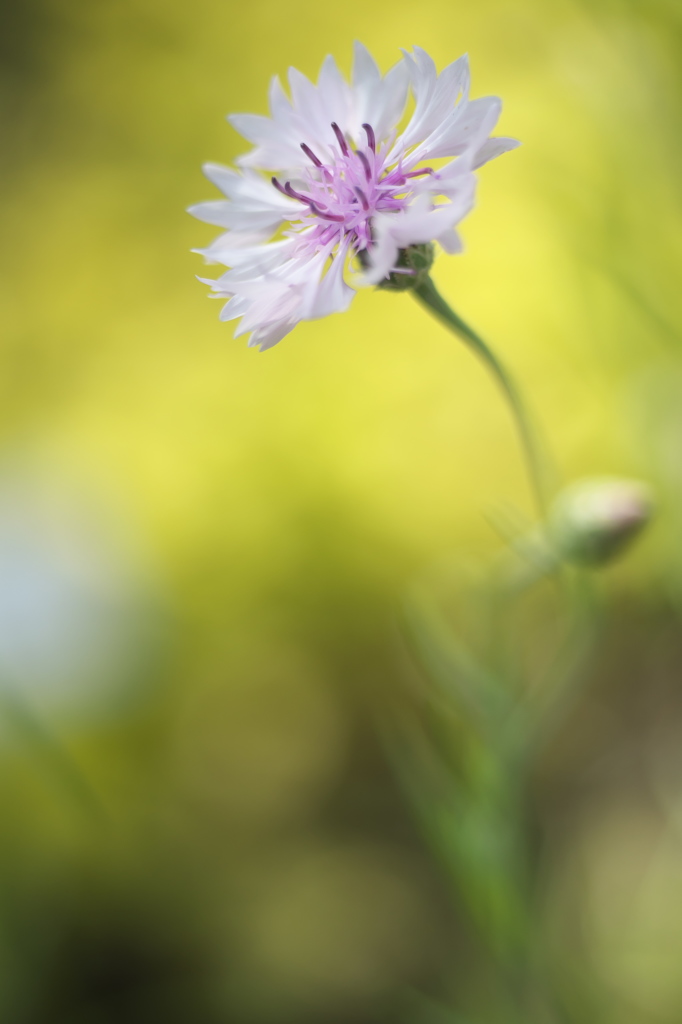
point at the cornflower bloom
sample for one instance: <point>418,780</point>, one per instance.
<point>348,187</point>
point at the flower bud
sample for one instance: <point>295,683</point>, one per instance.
<point>412,266</point>
<point>593,520</point>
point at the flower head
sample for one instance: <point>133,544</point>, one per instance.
<point>344,184</point>
<point>593,520</point>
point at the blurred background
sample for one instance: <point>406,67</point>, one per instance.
<point>202,548</point>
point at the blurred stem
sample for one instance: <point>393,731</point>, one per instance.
<point>56,759</point>
<point>427,293</point>
<point>570,672</point>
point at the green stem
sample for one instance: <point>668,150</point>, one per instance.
<point>427,293</point>
<point>47,748</point>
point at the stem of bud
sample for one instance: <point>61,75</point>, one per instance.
<point>426,292</point>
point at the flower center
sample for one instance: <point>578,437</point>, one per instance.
<point>342,196</point>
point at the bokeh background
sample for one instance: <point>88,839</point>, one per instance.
<point>202,548</point>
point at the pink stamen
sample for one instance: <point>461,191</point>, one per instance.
<point>332,196</point>
<point>287,190</point>
<point>365,163</point>
<point>294,194</point>
<point>362,197</point>
<point>371,140</point>
<point>311,156</point>
<point>324,213</point>
<point>341,140</point>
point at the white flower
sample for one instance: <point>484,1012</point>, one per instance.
<point>346,184</point>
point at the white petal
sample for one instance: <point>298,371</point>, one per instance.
<point>384,111</point>
<point>276,146</point>
<point>493,148</point>
<point>419,223</point>
<point>225,214</point>
<point>456,182</point>
<point>249,188</point>
<point>253,262</point>
<point>376,101</point>
<point>280,107</point>
<point>234,308</point>
<point>383,257</point>
<point>229,241</point>
<point>366,74</point>
<point>334,93</point>
<point>254,127</point>
<point>253,212</point>
<point>213,212</point>
<point>271,301</point>
<point>223,178</point>
<point>450,242</point>
<point>317,108</point>
<point>306,102</point>
<point>466,128</point>
<point>435,95</point>
<point>329,295</point>
<point>270,335</point>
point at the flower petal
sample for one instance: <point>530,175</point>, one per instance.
<point>466,128</point>
<point>377,101</point>
<point>330,294</point>
<point>435,95</point>
<point>492,148</point>
<point>270,335</point>
<point>249,188</point>
<point>334,93</point>
<point>277,145</point>
<point>450,241</point>
<point>419,223</point>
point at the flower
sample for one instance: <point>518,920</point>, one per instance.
<point>347,185</point>
<point>593,520</point>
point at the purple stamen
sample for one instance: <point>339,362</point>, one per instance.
<point>415,174</point>
<point>362,197</point>
<point>294,194</point>
<point>371,140</point>
<point>323,213</point>
<point>341,140</point>
<point>365,163</point>
<point>311,156</point>
<point>288,190</point>
<point>337,202</point>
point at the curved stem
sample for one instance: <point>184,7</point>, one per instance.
<point>427,293</point>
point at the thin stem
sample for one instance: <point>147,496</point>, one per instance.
<point>56,759</point>
<point>427,293</point>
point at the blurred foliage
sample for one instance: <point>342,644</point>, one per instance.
<point>219,540</point>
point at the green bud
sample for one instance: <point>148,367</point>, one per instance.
<point>413,265</point>
<point>593,520</point>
